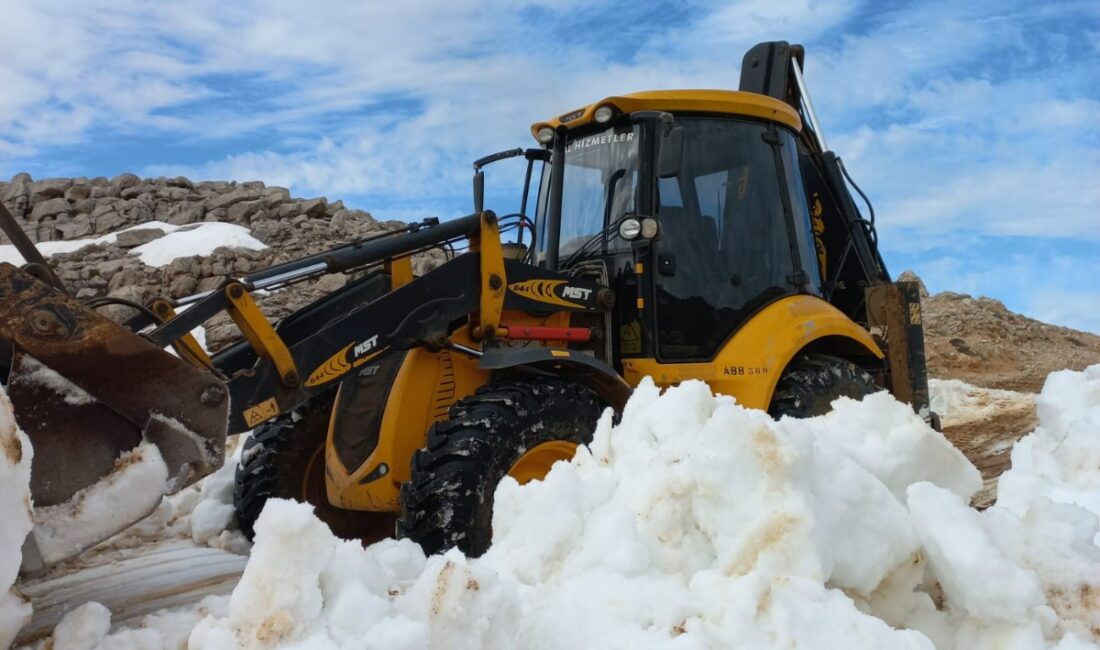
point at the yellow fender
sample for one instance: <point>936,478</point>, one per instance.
<point>423,391</point>
<point>749,364</point>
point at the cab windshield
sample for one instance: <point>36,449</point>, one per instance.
<point>599,187</point>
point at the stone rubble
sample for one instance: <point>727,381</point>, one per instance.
<point>77,208</point>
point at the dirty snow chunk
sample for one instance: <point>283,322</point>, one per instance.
<point>84,628</point>
<point>1047,514</point>
<point>202,511</point>
<point>958,402</point>
<point>212,517</point>
<point>132,491</point>
<point>297,567</point>
<point>209,519</point>
<point>200,239</point>
<point>164,630</point>
<point>15,519</point>
<point>36,373</point>
<point>892,442</point>
<point>1060,460</point>
<point>973,571</point>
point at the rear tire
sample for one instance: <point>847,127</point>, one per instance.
<point>812,382</point>
<point>284,458</point>
<point>448,501</point>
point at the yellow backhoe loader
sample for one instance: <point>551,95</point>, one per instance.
<point>695,234</point>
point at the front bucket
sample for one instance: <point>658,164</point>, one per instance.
<point>115,421</point>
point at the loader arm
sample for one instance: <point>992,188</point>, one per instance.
<point>282,368</point>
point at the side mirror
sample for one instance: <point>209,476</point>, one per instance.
<point>672,153</point>
<point>479,191</point>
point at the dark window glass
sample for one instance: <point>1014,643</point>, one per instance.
<point>724,248</point>
<point>800,210</point>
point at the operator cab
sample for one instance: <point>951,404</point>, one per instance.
<point>718,172</point>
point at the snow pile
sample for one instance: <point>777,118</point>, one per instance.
<point>87,628</point>
<point>179,241</point>
<point>696,523</point>
<point>202,512</point>
<point>15,519</point>
<point>1048,505</point>
<point>1060,461</point>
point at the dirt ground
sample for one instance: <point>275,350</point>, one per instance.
<point>979,341</point>
<point>988,443</point>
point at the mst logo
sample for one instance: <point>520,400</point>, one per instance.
<point>576,293</point>
<point>350,356</point>
<point>366,346</point>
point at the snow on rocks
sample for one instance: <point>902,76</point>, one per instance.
<point>15,519</point>
<point>199,239</point>
<point>696,523</point>
<point>174,242</point>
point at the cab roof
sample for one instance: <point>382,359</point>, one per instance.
<point>720,102</point>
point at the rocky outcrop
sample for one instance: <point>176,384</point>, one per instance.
<point>80,208</point>
<point>981,342</point>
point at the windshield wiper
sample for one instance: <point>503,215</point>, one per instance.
<point>586,249</point>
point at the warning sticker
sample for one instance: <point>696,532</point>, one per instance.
<point>630,338</point>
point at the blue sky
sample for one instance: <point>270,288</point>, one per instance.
<point>973,126</point>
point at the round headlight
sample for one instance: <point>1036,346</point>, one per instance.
<point>546,135</point>
<point>604,114</point>
<point>649,228</point>
<point>630,228</point>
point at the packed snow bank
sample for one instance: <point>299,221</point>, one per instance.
<point>15,519</point>
<point>694,523</point>
<point>178,241</point>
<point>11,255</point>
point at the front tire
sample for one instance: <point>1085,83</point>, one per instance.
<point>812,382</point>
<point>515,427</point>
<point>284,458</point>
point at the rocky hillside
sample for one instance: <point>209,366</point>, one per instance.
<point>981,342</point>
<point>80,208</point>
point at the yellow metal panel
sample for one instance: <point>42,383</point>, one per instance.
<point>494,282</point>
<point>720,102</point>
<point>186,346</point>
<point>401,272</point>
<point>260,333</point>
<point>423,391</point>
<point>748,366</point>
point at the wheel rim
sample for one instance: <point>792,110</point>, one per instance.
<point>535,463</point>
